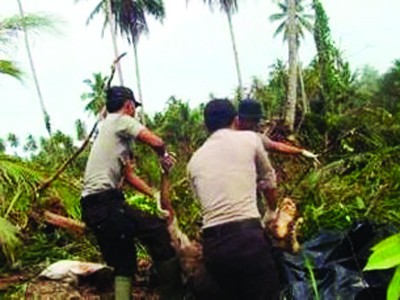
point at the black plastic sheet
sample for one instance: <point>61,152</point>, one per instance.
<point>330,266</point>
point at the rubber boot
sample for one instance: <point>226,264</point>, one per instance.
<point>169,279</point>
<point>123,288</point>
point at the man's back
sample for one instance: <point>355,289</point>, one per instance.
<point>223,173</point>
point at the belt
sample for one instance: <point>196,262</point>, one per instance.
<point>219,230</point>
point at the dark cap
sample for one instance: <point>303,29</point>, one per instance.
<point>250,110</point>
<point>218,114</point>
<point>116,97</point>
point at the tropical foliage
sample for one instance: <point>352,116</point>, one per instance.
<point>352,121</point>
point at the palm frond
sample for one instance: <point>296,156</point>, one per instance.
<point>276,17</point>
<point>280,29</point>
<point>9,68</point>
<point>227,6</point>
<point>17,184</point>
<point>100,7</point>
<point>9,241</point>
<point>35,23</point>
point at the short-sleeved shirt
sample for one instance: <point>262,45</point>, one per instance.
<point>104,168</point>
<point>223,174</point>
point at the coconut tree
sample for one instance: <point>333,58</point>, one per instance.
<point>129,17</point>
<point>46,116</point>
<point>229,7</point>
<point>96,96</point>
<point>104,6</point>
<point>294,20</point>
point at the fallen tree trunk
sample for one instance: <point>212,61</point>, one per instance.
<point>64,222</point>
<point>76,227</point>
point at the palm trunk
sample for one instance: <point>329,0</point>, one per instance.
<point>303,90</point>
<point>139,85</point>
<point>235,51</point>
<point>304,100</point>
<point>46,116</point>
<point>114,40</point>
<point>290,112</point>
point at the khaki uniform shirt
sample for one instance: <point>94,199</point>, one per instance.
<point>104,168</point>
<point>223,173</point>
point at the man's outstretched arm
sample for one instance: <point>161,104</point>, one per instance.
<point>158,145</point>
<point>273,146</point>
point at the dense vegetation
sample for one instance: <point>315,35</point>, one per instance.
<point>351,118</point>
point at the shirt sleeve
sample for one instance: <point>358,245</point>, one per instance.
<point>266,141</point>
<point>265,172</point>
<point>129,127</point>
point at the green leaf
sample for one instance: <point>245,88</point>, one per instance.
<point>360,203</point>
<point>388,242</point>
<point>393,292</point>
<point>386,254</point>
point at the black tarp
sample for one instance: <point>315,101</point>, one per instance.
<point>330,266</point>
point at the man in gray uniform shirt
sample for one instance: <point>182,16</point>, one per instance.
<point>114,223</point>
<point>224,173</point>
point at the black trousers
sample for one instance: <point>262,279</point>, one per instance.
<point>116,225</point>
<point>238,258</point>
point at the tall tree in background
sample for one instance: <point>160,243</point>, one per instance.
<point>294,21</point>
<point>130,18</point>
<point>46,116</point>
<point>105,6</point>
<point>389,96</point>
<point>334,71</point>
<point>229,7</point>
<point>96,96</point>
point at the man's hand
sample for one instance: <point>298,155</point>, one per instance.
<point>311,155</point>
<point>167,161</point>
<point>269,216</point>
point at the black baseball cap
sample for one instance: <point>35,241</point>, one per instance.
<point>116,97</point>
<point>250,109</point>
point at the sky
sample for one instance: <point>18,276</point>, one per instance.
<point>188,56</point>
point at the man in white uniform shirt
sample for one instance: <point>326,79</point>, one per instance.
<point>114,223</point>
<point>224,173</point>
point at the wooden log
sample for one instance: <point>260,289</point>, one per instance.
<point>69,224</point>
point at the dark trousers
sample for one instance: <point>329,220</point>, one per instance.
<point>238,257</point>
<point>116,225</point>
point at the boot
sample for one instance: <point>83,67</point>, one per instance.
<point>123,288</point>
<point>169,279</point>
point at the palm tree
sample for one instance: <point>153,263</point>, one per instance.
<point>229,7</point>
<point>105,7</point>
<point>96,95</point>
<point>130,19</point>
<point>46,116</point>
<point>294,19</point>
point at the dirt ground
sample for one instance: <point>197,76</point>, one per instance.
<point>93,287</point>
<point>43,289</point>
<point>46,290</point>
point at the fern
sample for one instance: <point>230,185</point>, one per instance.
<point>9,241</point>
